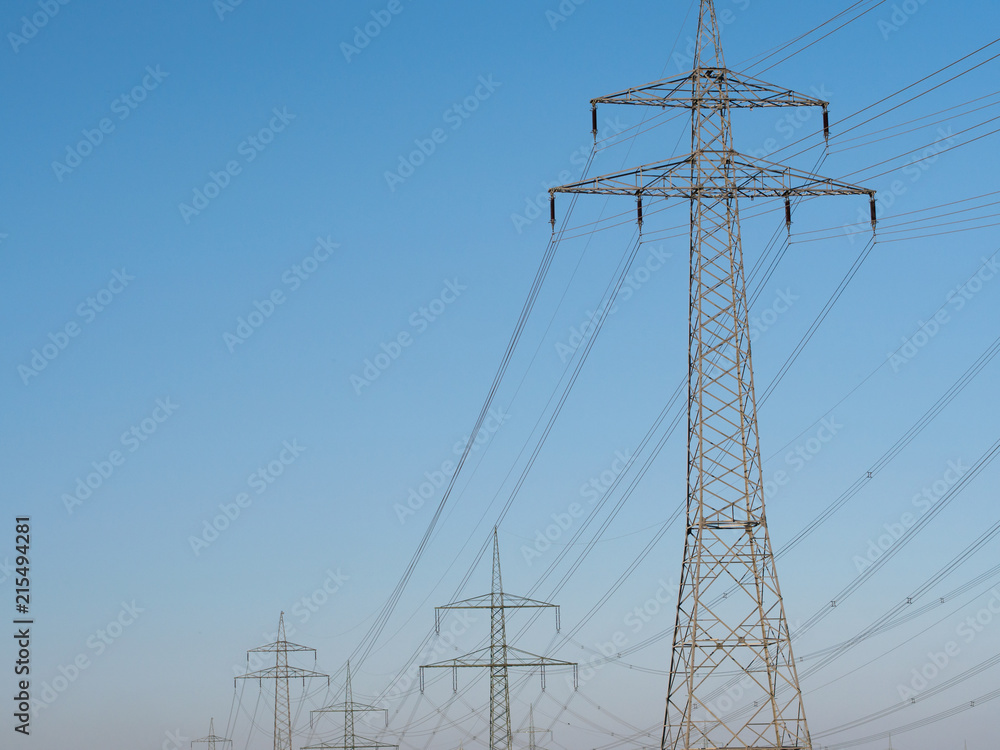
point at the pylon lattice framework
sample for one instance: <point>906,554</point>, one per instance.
<point>281,673</point>
<point>730,615</point>
<point>349,707</point>
<point>498,657</point>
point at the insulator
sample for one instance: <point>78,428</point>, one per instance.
<point>788,213</point>
<point>639,207</point>
<point>874,211</point>
<point>593,121</point>
<point>826,123</point>
<point>552,211</point>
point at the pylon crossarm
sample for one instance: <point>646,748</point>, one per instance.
<point>745,177</point>
<point>667,178</point>
<point>727,89</point>
<point>360,744</point>
<point>477,658</point>
<point>528,659</point>
<point>356,708</point>
<point>274,672</point>
<point>782,180</point>
<point>657,93</point>
<point>748,177</point>
<point>509,601</point>
<point>271,648</point>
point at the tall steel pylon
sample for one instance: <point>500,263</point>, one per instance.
<point>730,614</point>
<point>498,657</point>
<point>212,740</point>
<point>349,707</point>
<point>281,673</point>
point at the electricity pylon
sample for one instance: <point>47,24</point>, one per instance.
<point>730,614</point>
<point>349,708</point>
<point>498,657</point>
<point>532,731</point>
<point>281,673</point>
<point>212,740</point>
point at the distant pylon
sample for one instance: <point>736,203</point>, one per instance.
<point>212,740</point>
<point>351,740</point>
<point>281,673</point>
<point>731,626</point>
<point>532,731</point>
<point>498,657</point>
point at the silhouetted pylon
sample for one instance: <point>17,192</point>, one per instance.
<point>281,673</point>
<point>498,657</point>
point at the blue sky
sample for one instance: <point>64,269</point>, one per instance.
<point>257,261</point>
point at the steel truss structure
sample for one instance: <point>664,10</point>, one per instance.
<point>731,628</point>
<point>498,657</point>
<point>281,673</point>
<point>348,708</point>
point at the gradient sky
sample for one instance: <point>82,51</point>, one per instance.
<point>193,337</point>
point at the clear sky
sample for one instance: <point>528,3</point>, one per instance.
<point>261,261</point>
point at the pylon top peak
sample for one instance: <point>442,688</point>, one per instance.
<point>497,581</point>
<point>708,43</point>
